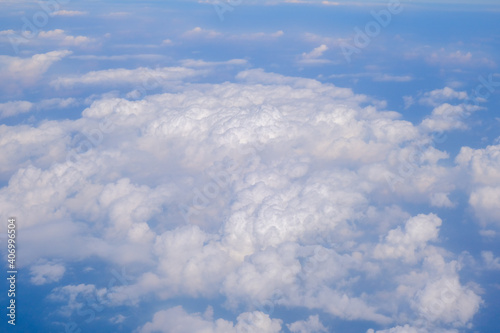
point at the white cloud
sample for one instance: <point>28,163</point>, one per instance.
<point>118,319</point>
<point>311,325</point>
<point>445,300</point>
<point>77,297</point>
<point>201,33</point>
<point>377,77</point>
<point>482,163</point>
<point>314,57</point>
<point>485,200</point>
<point>452,58</point>
<point>6,32</point>
<point>201,63</point>
<point>439,96</point>
<point>46,273</point>
<point>118,14</point>
<point>26,71</point>
<point>482,167</point>
<point>488,233</point>
<point>14,108</point>
<point>418,231</point>
<point>412,329</point>
<point>55,38</point>
<point>447,117</point>
<point>269,191</point>
<point>10,109</point>
<point>176,320</point>
<point>441,200</point>
<point>69,13</point>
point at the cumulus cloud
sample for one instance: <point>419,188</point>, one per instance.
<point>311,325</point>
<point>252,37</point>
<point>201,33</point>
<point>60,37</point>
<point>484,200</point>
<point>490,261</point>
<point>56,103</point>
<point>418,231</point>
<point>392,78</point>
<point>14,108</point>
<point>78,297</point>
<point>447,117</point>
<point>10,109</point>
<point>314,57</point>
<point>397,329</point>
<point>46,273</point>
<point>482,171</point>
<point>26,71</point>
<point>449,58</point>
<point>438,96</point>
<point>441,200</point>
<point>142,77</point>
<point>409,101</point>
<point>266,192</point>
<point>482,164</point>
<point>445,300</point>
<point>412,329</point>
<point>177,320</point>
<point>121,57</point>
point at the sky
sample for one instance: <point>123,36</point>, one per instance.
<point>251,166</point>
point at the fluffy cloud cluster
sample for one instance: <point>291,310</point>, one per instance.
<point>418,231</point>
<point>274,191</point>
<point>22,72</point>
<point>482,168</point>
<point>314,57</point>
<point>311,325</point>
<point>46,273</point>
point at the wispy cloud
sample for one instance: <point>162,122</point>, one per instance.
<point>69,13</point>
<point>314,57</point>
<point>377,77</point>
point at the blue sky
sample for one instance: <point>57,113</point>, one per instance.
<point>252,166</point>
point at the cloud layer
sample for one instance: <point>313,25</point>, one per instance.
<point>272,191</point>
